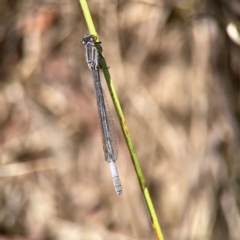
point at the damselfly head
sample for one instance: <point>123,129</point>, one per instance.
<point>87,38</point>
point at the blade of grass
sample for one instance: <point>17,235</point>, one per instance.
<point>146,196</point>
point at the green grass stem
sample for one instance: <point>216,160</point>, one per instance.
<point>147,198</point>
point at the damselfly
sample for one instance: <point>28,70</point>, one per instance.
<point>109,136</point>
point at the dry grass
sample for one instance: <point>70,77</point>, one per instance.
<point>178,82</point>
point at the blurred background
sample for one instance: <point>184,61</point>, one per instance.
<point>176,68</point>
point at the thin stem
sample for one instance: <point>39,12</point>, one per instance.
<point>147,198</point>
<point>88,17</point>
